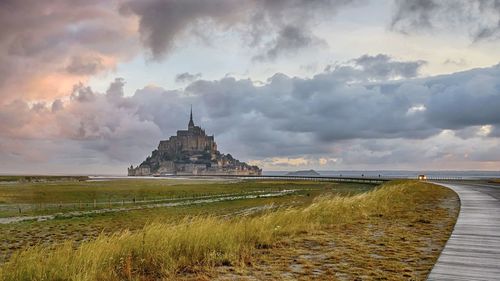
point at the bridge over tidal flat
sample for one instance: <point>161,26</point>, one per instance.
<point>310,178</point>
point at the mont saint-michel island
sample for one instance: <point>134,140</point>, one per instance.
<point>191,152</point>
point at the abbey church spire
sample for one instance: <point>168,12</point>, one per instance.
<point>191,123</point>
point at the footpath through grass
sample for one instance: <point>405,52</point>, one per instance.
<point>210,247</point>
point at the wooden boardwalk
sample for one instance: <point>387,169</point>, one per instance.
<point>473,250</point>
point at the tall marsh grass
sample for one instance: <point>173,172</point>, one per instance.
<point>165,250</point>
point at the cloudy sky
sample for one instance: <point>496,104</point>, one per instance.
<point>90,86</point>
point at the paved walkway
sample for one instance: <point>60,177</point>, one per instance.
<point>473,250</point>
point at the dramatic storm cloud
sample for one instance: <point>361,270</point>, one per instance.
<point>323,119</point>
<point>480,18</point>
<point>162,22</point>
<point>92,86</point>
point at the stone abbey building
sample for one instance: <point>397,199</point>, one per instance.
<point>191,152</point>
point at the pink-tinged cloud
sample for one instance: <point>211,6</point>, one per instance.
<point>46,47</point>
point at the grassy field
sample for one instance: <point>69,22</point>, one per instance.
<point>394,232</point>
<point>48,197</point>
<point>70,191</point>
<point>87,226</point>
<point>35,178</point>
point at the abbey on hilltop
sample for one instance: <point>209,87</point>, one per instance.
<point>191,152</point>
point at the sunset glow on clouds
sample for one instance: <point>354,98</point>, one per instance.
<point>92,86</point>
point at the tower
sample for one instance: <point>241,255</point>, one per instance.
<point>191,123</point>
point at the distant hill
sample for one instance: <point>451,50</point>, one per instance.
<point>303,173</point>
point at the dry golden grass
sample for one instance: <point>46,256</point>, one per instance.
<point>400,247</point>
<point>201,247</point>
